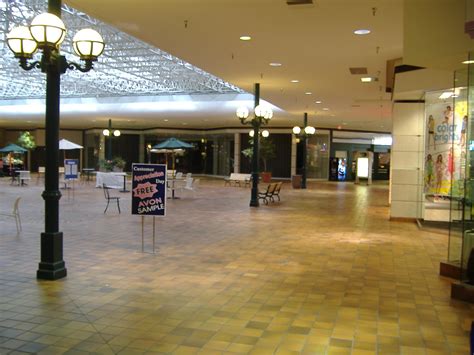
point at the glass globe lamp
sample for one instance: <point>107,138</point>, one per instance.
<point>21,43</point>
<point>48,30</point>
<point>88,44</point>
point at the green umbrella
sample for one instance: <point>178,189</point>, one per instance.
<point>13,148</point>
<point>173,145</point>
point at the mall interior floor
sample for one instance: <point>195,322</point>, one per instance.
<point>322,271</point>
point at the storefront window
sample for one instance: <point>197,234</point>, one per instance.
<point>318,156</point>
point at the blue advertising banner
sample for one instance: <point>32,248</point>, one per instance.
<point>149,189</point>
<point>70,169</point>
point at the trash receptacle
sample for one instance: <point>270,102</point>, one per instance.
<point>296,181</point>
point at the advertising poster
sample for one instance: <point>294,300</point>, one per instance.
<point>70,169</point>
<point>446,129</point>
<point>341,169</point>
<point>149,189</point>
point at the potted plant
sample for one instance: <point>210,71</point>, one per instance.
<point>118,164</point>
<point>266,152</point>
<point>27,140</point>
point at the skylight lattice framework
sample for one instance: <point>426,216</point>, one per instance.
<point>128,66</point>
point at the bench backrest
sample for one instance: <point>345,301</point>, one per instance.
<point>239,176</point>
<point>278,188</point>
<point>271,188</point>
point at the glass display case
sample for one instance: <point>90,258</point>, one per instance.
<point>460,167</point>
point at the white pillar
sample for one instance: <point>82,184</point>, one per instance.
<point>101,146</point>
<point>293,154</point>
<point>407,163</point>
<point>237,148</point>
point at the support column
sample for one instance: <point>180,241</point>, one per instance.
<point>407,163</point>
<point>215,156</point>
<point>293,154</point>
<point>108,140</point>
<point>237,148</point>
<point>101,147</point>
<point>141,151</point>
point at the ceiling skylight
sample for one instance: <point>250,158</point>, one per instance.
<point>128,66</point>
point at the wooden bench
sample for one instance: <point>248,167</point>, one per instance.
<point>237,179</point>
<point>270,192</point>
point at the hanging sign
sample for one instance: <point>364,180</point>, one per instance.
<point>70,169</point>
<point>149,189</point>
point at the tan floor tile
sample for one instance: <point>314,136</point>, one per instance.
<point>322,271</point>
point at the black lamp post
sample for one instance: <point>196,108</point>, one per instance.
<point>262,115</point>
<point>46,32</point>
<point>303,134</point>
<point>108,132</point>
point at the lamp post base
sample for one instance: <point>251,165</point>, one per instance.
<point>51,267</point>
<point>254,203</point>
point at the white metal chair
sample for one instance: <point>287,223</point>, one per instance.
<point>24,176</point>
<point>179,175</point>
<point>15,214</point>
<point>191,185</point>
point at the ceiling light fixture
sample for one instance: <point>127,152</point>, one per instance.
<point>366,79</point>
<point>308,93</point>
<point>468,62</point>
<point>275,64</point>
<point>362,31</point>
<point>325,109</point>
<point>295,81</point>
<point>245,38</point>
<point>319,102</point>
<point>446,95</point>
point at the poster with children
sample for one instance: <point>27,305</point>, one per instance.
<point>446,127</point>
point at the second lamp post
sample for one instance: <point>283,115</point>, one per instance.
<point>108,133</point>
<point>303,134</point>
<point>262,115</point>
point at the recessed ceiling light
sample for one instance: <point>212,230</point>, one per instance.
<point>308,93</point>
<point>446,95</point>
<point>319,102</point>
<point>166,120</point>
<point>295,81</point>
<point>245,38</point>
<point>325,109</point>
<point>362,31</point>
<point>468,62</point>
<point>366,79</point>
<point>275,64</point>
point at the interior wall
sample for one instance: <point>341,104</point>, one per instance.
<point>434,33</point>
<point>75,136</point>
